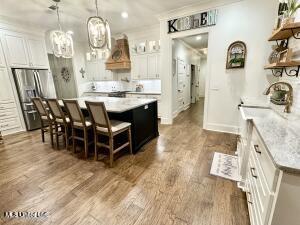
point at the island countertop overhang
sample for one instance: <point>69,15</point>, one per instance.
<point>113,104</point>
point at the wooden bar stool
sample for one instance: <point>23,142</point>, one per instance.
<point>78,123</point>
<point>47,124</point>
<point>61,121</point>
<point>103,126</point>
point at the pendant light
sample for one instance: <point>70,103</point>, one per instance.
<point>99,34</point>
<point>62,42</point>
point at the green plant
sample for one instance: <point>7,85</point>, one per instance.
<point>237,60</point>
<point>292,5</point>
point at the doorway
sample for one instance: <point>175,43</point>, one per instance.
<point>189,74</point>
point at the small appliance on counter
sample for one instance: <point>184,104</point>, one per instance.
<point>139,88</point>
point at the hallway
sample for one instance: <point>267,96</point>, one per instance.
<point>168,182</point>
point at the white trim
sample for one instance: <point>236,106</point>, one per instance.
<point>175,113</point>
<point>194,8</point>
<point>221,128</point>
<point>189,47</point>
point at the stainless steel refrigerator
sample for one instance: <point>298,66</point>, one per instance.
<point>33,83</point>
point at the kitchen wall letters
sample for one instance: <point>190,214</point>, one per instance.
<point>195,21</point>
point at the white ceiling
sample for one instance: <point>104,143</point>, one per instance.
<point>74,13</point>
<point>197,44</point>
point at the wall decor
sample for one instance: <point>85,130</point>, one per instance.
<point>142,47</point>
<point>82,71</point>
<point>236,55</point>
<point>275,54</point>
<point>203,19</point>
<point>65,74</point>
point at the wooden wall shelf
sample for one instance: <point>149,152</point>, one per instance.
<point>283,64</point>
<point>291,69</point>
<point>285,32</point>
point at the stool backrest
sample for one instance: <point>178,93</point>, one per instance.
<point>74,112</point>
<point>56,109</point>
<point>40,107</point>
<point>98,114</point>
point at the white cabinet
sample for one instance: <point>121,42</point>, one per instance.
<point>96,71</point>
<point>6,92</point>
<point>2,58</point>
<point>37,53</point>
<point>145,66</point>
<point>22,51</point>
<point>16,51</point>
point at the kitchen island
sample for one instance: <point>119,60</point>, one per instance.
<point>141,113</point>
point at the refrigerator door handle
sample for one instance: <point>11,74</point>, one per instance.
<point>39,83</point>
<point>36,84</point>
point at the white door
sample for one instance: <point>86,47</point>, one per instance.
<point>16,50</point>
<point>38,53</point>
<point>6,92</point>
<point>2,59</point>
<point>181,76</point>
<point>152,66</point>
<point>143,67</point>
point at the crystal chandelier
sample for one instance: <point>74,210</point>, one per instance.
<point>62,42</point>
<point>99,34</point>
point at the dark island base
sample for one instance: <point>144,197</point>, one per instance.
<point>144,124</point>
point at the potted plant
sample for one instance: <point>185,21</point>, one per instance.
<point>289,14</point>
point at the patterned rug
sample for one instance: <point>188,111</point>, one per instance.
<point>225,166</point>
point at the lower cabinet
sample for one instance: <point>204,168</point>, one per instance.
<point>157,97</point>
<point>272,194</point>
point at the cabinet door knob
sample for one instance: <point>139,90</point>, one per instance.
<point>253,172</point>
<point>256,148</point>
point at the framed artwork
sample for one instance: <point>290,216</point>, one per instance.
<point>236,55</point>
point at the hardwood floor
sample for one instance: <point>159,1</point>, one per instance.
<point>168,182</point>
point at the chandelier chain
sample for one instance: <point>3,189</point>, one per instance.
<point>97,10</point>
<point>58,17</point>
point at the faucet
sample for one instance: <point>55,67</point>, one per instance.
<point>289,99</point>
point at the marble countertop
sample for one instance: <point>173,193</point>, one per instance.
<point>115,105</point>
<point>281,137</point>
<point>258,102</point>
<point>128,92</point>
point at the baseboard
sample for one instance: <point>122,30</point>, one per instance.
<point>175,114</point>
<point>221,128</point>
<point>166,121</point>
<point>186,107</point>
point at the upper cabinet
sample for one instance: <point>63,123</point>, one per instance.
<point>145,66</point>
<point>2,58</point>
<point>24,52</point>
<point>96,71</point>
<point>37,53</point>
<point>16,50</point>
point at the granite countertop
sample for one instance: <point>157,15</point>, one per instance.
<point>257,102</point>
<point>115,105</point>
<point>129,92</point>
<point>281,137</point>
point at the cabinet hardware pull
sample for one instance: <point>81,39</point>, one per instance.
<point>256,148</point>
<point>252,172</point>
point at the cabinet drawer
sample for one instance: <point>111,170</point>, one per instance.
<point>264,161</point>
<point>251,206</point>
<point>9,124</point>
<point>8,114</point>
<point>7,105</point>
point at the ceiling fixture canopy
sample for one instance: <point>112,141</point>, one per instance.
<point>99,34</point>
<point>62,42</point>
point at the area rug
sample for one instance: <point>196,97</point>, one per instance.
<point>225,166</point>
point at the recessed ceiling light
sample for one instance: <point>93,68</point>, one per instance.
<point>124,15</point>
<point>198,38</point>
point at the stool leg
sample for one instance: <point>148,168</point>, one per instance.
<point>86,148</point>
<point>130,141</point>
<point>66,136</point>
<point>56,135</point>
<point>73,140</point>
<point>96,147</point>
<point>111,151</point>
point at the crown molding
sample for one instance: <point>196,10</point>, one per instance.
<point>194,8</point>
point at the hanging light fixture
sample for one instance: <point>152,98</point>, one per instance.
<point>62,42</point>
<point>99,34</point>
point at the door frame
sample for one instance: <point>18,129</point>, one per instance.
<point>195,32</point>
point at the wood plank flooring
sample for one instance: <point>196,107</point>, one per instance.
<point>168,182</point>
